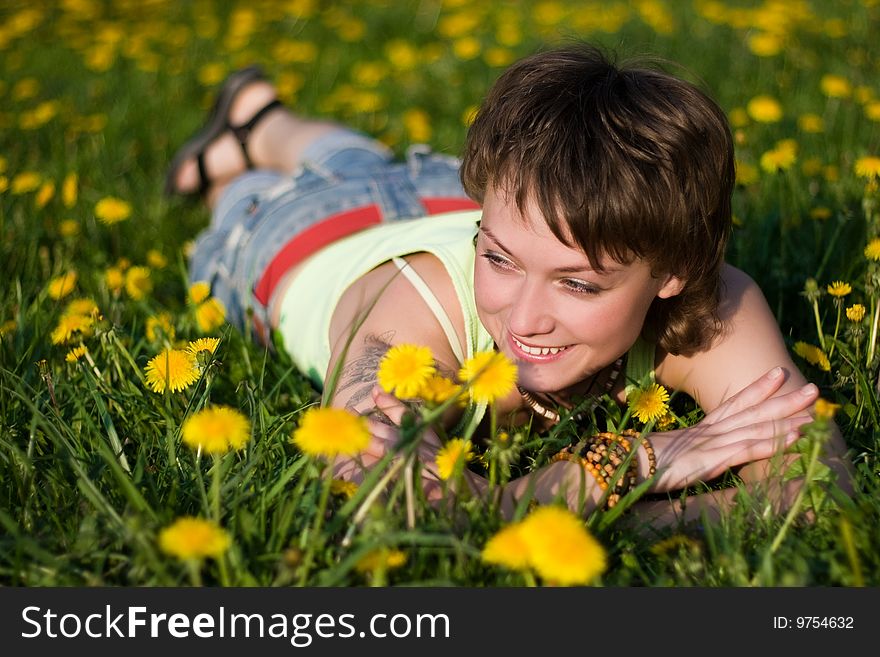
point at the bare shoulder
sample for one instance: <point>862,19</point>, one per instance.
<point>748,345</point>
<point>382,309</point>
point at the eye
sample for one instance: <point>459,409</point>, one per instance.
<point>580,287</point>
<point>497,261</point>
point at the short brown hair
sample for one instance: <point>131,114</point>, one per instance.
<point>627,161</point>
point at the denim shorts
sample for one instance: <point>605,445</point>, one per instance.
<point>345,178</point>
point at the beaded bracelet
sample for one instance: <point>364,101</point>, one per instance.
<point>604,454</point>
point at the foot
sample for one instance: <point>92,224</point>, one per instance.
<point>224,157</point>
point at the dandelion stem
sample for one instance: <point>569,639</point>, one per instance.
<point>836,329</point>
<point>872,340</point>
<point>215,489</point>
<point>193,566</point>
<point>818,323</point>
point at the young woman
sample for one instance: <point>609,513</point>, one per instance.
<point>583,236</point>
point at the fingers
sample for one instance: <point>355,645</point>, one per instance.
<point>775,408</point>
<point>389,405</point>
<point>752,394</point>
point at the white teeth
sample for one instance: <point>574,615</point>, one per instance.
<point>538,351</point>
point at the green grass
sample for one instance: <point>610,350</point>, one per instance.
<point>91,463</point>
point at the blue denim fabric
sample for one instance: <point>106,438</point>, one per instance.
<point>262,210</point>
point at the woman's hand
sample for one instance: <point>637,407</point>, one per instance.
<point>751,425</point>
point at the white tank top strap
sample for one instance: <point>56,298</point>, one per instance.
<point>434,304</point>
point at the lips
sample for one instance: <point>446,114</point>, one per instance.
<point>536,353</point>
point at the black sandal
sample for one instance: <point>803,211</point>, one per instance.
<point>216,125</point>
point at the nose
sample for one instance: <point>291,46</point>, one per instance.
<point>530,312</point>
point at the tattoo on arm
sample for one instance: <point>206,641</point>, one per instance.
<point>360,373</point>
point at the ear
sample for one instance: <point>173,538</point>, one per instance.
<point>671,287</point>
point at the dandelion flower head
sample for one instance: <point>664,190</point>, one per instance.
<point>839,289</point>
<point>61,286</point>
<point>216,430</point>
<point>455,451</point>
<point>813,355</point>
<point>650,403</point>
<point>210,315</point>
<point>173,370</point>
<point>405,368</point>
<point>872,251</point>
<point>560,548</point>
<point>507,548</point>
<point>330,432</point>
<point>203,344</point>
<point>199,291</point>
<point>855,313</point>
<point>868,167</point>
<point>111,210</point>
<point>489,376</point>
<point>193,538</point>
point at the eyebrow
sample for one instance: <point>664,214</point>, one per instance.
<point>560,270</point>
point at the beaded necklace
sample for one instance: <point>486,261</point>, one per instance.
<point>553,416</point>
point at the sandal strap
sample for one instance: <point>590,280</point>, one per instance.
<point>243,132</point>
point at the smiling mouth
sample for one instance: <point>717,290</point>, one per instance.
<point>538,351</point>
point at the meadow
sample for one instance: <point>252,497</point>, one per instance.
<point>95,468</point>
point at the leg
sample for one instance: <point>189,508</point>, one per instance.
<point>277,141</point>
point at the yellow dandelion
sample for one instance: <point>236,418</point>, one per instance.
<point>26,181</point>
<point>210,315</point>
<point>343,488</point>
<point>872,251</point>
<point>70,190</point>
<point>488,376</point>
<point>380,558</point>
<point>46,194</point>
<point>111,210</point>
<point>138,283</point>
<point>160,326</point>
<point>825,410</point>
<point>76,353</point>
<point>115,279</point>
<point>764,109</point>
<point>68,228</point>
<point>872,110</point>
<point>855,313</point>
<point>61,286</point>
<point>216,430</point>
<point>173,370</point>
<point>811,123</point>
<point>156,260</point>
<point>404,369</point>
<point>417,124</point>
<point>329,432</point>
<point>839,289</point>
<point>203,344</point>
<point>199,291</point>
<point>4,184</point>
<point>437,389</point>
<point>123,264</point>
<point>835,86</point>
<point>739,118</point>
<point>765,44</point>
<point>560,548</point>
<point>451,454</point>
<point>507,548</point>
<point>82,306</point>
<point>193,538</point>
<point>778,159</point>
<point>71,326</point>
<point>868,167</point>
<point>812,166</point>
<point>813,355</point>
<point>746,173</point>
<point>650,403</point>
<point>820,213</point>
<point>8,327</point>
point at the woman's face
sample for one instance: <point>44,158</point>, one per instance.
<point>546,307</point>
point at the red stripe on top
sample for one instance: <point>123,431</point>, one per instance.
<point>333,228</point>
<point>439,205</point>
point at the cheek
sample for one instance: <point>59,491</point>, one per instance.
<point>489,295</point>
